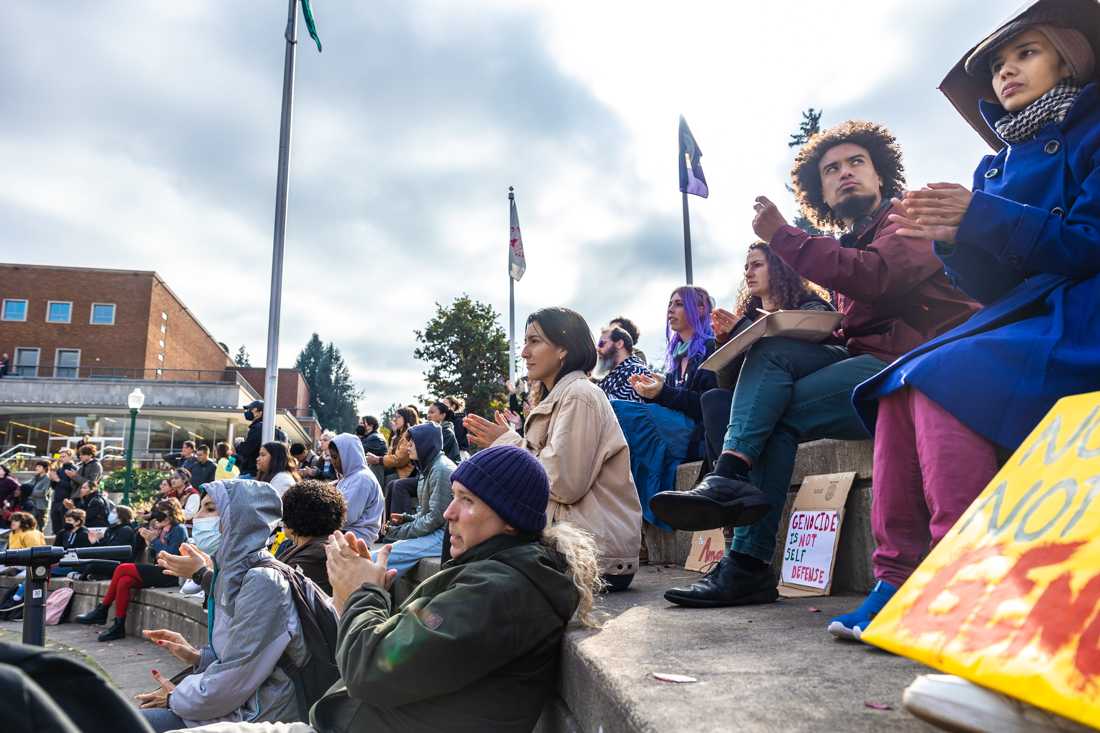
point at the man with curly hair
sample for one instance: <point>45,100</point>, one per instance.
<point>894,296</point>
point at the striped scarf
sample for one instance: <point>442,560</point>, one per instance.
<point>1052,107</point>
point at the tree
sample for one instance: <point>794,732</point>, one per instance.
<point>467,353</point>
<point>242,359</point>
<point>332,394</point>
<point>810,126</point>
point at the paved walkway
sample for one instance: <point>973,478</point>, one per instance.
<point>125,662</point>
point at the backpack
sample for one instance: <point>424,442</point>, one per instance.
<point>318,620</point>
<point>57,605</point>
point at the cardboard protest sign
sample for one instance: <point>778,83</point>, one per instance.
<point>813,535</point>
<point>707,548</point>
<point>812,326</point>
<point>1010,598</point>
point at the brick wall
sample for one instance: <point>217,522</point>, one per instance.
<point>293,392</point>
<point>131,343</point>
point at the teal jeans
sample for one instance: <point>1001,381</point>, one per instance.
<point>787,392</point>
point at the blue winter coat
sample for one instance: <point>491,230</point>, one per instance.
<point>1028,249</point>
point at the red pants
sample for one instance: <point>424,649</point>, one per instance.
<point>928,468</point>
<point>124,580</point>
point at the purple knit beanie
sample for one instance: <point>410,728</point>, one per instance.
<point>511,481</point>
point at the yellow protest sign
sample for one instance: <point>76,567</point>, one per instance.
<point>1010,598</point>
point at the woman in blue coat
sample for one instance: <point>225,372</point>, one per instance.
<point>1025,243</point>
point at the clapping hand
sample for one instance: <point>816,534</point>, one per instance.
<point>351,566</point>
<point>483,433</point>
<point>722,322</point>
<point>767,220</point>
<point>190,560</point>
<point>934,212</point>
<point>647,386</point>
<point>148,534</point>
<point>157,698</point>
<point>176,645</point>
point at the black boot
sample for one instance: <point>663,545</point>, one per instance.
<point>716,501</point>
<point>728,584</point>
<point>97,615</point>
<point>117,630</point>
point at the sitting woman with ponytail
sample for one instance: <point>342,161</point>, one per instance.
<point>476,646</point>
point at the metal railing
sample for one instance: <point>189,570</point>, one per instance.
<point>17,451</point>
<point>51,371</point>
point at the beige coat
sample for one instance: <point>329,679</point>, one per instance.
<point>576,437</point>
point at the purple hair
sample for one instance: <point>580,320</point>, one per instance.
<point>693,298</point>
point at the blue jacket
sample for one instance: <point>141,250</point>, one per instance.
<point>1028,249</point>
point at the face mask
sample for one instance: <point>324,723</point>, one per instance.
<point>69,526</point>
<point>206,535</point>
<point>249,415</point>
<point>360,431</point>
<point>112,518</point>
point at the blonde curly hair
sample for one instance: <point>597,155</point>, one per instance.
<point>582,560</point>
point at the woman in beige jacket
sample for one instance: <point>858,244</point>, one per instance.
<point>573,432</point>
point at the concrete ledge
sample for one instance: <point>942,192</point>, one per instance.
<point>150,608</point>
<point>759,668</point>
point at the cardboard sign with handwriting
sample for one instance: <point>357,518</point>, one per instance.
<point>1010,597</point>
<point>813,535</point>
<point>707,548</point>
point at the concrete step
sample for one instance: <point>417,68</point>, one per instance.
<point>759,668</point>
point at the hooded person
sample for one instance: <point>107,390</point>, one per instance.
<point>252,622</point>
<point>420,535</point>
<point>359,487</point>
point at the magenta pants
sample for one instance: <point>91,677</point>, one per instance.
<point>928,468</point>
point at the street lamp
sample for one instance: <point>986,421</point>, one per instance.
<point>135,400</point>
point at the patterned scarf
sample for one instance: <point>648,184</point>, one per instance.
<point>1052,107</point>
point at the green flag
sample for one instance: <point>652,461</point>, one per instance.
<point>310,24</point>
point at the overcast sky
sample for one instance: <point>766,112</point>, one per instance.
<point>144,135</point>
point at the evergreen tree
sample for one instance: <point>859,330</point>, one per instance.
<point>810,126</point>
<point>467,354</point>
<point>242,358</point>
<point>332,394</point>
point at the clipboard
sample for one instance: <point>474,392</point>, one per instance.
<point>815,326</point>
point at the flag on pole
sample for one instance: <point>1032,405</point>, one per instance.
<point>311,26</point>
<point>692,179</point>
<point>517,263</point>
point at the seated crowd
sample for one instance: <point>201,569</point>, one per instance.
<point>959,328</point>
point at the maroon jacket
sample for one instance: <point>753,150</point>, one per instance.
<point>891,289</point>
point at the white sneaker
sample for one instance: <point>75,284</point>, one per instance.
<point>955,704</point>
<point>190,588</point>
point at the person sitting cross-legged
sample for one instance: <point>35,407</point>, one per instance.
<point>420,535</point>
<point>894,296</point>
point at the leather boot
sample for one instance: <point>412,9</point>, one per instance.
<point>716,501</point>
<point>117,630</point>
<point>728,584</point>
<point>97,615</point>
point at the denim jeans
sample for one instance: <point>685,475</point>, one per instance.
<point>162,719</point>
<point>407,553</point>
<point>788,392</point>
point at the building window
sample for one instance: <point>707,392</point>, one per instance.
<point>15,310</point>
<point>160,357</point>
<point>59,311</point>
<point>26,362</point>
<point>66,363</point>
<point>163,316</point>
<point>103,314</point>
<point>163,328</point>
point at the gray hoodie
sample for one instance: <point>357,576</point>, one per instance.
<point>433,488</point>
<point>254,620</point>
<point>360,489</point>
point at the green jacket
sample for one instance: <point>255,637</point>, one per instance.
<point>474,648</point>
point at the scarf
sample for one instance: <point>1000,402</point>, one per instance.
<point>1051,108</point>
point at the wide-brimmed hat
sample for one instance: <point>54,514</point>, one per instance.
<point>965,90</point>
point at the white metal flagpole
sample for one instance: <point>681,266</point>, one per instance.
<point>271,382</point>
<point>511,300</point>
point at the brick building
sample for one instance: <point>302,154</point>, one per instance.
<point>80,339</point>
<point>77,321</point>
